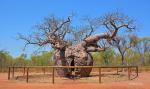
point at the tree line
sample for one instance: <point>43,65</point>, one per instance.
<point>133,52</point>
<point>43,59</point>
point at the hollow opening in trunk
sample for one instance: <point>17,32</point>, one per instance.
<point>72,64</point>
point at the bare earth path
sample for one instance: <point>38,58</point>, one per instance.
<point>142,82</point>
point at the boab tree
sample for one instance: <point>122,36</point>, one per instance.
<point>53,31</point>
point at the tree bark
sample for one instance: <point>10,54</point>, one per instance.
<point>60,60</point>
<point>122,59</point>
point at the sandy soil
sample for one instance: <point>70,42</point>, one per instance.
<point>142,82</point>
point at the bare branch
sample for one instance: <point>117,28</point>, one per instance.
<point>95,49</point>
<point>52,31</point>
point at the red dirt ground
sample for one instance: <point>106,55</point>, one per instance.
<point>142,82</point>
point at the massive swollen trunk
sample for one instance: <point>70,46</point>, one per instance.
<point>73,56</point>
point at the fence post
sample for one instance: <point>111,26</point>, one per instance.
<point>24,70</point>
<point>44,70</point>
<point>100,75</point>
<point>13,72</point>
<point>137,71</point>
<point>9,73</point>
<point>129,71</point>
<point>53,74</point>
<point>117,71</point>
<point>27,78</point>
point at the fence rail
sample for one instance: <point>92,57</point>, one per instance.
<point>11,70</point>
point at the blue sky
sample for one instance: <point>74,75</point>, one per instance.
<point>19,16</point>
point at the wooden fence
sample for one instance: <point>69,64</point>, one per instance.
<point>11,70</point>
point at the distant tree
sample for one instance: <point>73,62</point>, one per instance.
<point>143,47</point>
<point>2,59</point>
<point>5,60</point>
<point>20,61</point>
<point>107,56</point>
<point>44,59</point>
<point>123,43</point>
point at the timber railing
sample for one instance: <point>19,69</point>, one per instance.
<point>11,70</point>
